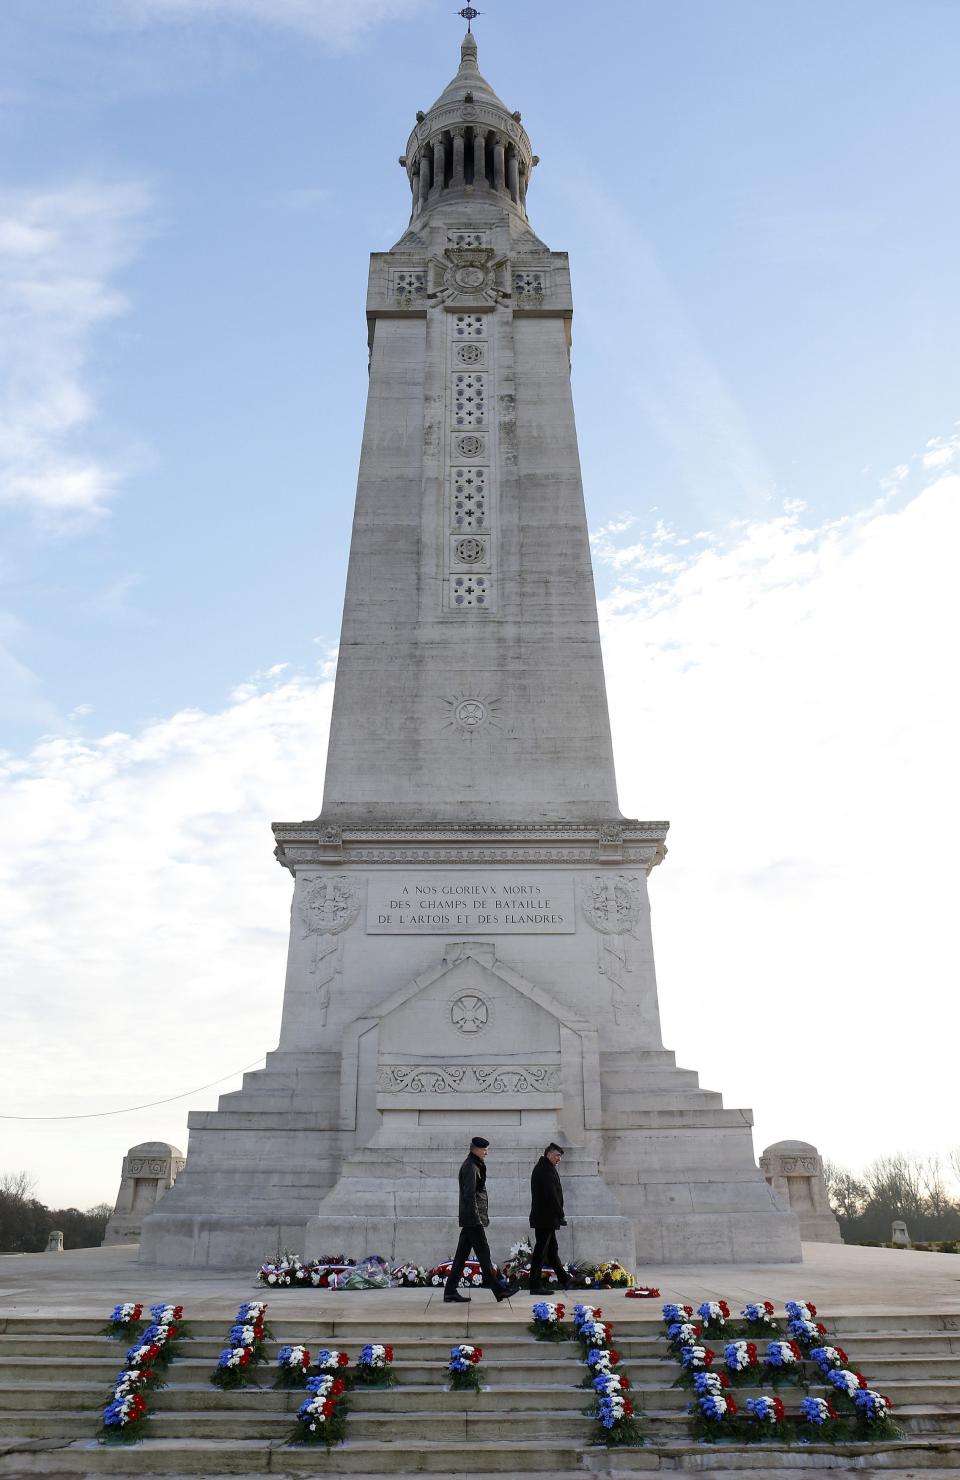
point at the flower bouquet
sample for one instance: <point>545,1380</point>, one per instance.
<point>742,1362</point>
<point>800,1310</point>
<point>820,1422</point>
<point>331,1363</point>
<point>463,1369</point>
<point>157,1346</point>
<point>547,1321</point>
<point>806,1334</point>
<point>172,1316</point>
<point>759,1318</point>
<point>828,1357</point>
<point>582,1273</point>
<point>124,1323</point>
<point>594,1333</point>
<point>611,1274</point>
<point>292,1365</point>
<point>673,1313</point>
<point>714,1315</point>
<point>642,1292</point>
<point>766,1420</point>
<point>783,1363</point>
<point>410,1276</point>
<point>322,1417</point>
<point>613,1411</point>
<point>694,1358</point>
<point>125,1416</point>
<point>280,1272</point>
<point>846,1382</point>
<point>715,1415</point>
<point>374,1367</point>
<point>237,1363</point>
<point>372,1273</point>
<point>599,1359</point>
<point>873,1416</point>
<point>472,1273</point>
<point>680,1334</point>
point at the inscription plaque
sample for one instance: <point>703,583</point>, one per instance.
<point>483,904</point>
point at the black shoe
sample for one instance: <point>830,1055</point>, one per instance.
<point>539,1289</point>
<point>453,1297</point>
<point>504,1292</point>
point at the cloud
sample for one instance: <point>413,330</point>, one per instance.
<point>61,250</point>
<point>784,693</point>
<point>330,22</point>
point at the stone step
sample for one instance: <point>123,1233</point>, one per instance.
<point>649,1076</point>
<point>460,1423</point>
<point>642,1097</point>
<point>422,1395</point>
<point>252,1457</point>
<point>906,1460</point>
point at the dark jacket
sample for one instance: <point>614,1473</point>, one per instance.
<point>473,1194</point>
<point>546,1196</point>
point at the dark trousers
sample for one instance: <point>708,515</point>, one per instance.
<point>472,1237</point>
<point>545,1251</point>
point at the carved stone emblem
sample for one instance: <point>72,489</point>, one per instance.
<point>329,906</point>
<point>452,1079</point>
<point>470,274</point>
<point>612,906</point>
<point>471,713</point>
<point>469,1013</point>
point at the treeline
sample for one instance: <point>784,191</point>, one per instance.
<point>25,1223</point>
<point>919,1191</point>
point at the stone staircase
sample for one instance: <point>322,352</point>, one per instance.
<point>56,1377</point>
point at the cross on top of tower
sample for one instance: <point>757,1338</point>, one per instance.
<point>469,14</point>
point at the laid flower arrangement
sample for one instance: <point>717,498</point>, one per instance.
<point>765,1420</point>
<point>846,1382</point>
<point>331,1363</point>
<point>759,1318</point>
<point>464,1373</point>
<point>547,1321</point>
<point>742,1362</point>
<point>599,1360</point>
<point>715,1416</point>
<point>694,1358</point>
<point>590,1330</point>
<point>374,1367</point>
<point>410,1276</point>
<point>322,1417</point>
<point>157,1345</point>
<point>682,1333</point>
<point>472,1274</point>
<point>614,1411</point>
<point>612,1275</point>
<point>806,1333</point>
<point>124,1323</point>
<point>873,1416</point>
<point>783,1363</point>
<point>800,1310</point>
<point>821,1421</point>
<point>828,1357</point>
<point>286,1271</point>
<point>642,1292</point>
<point>125,1416</point>
<point>714,1315</point>
<point>293,1363</point>
<point>237,1363</point>
<point>673,1313</point>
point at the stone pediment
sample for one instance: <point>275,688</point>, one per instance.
<point>469,1032</point>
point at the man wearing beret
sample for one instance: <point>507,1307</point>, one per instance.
<point>546,1216</point>
<point>474,1220</point>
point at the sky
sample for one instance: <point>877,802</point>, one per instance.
<point>760,206</point>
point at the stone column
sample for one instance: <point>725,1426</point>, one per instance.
<point>438,166</point>
<point>415,186</point>
<point>479,158</point>
<point>499,169</point>
<point>457,179</point>
<point>513,176</point>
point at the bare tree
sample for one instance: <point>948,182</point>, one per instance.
<point>895,1184</point>
<point>847,1194</point>
<point>938,1200</point>
<point>953,1157</point>
<point>17,1185</point>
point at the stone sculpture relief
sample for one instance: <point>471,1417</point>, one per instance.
<point>611,904</point>
<point>451,1079</point>
<point>328,907</point>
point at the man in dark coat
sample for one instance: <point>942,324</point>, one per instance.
<point>474,1219</point>
<point>546,1216</point>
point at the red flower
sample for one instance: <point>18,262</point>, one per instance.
<point>861,1379</point>
<point>768,1307</point>
<point>137,1312</point>
<point>724,1379</point>
<point>821,1330</point>
<point>477,1354</point>
<point>339,1386</point>
<point>327,1409</point>
<point>796,1350</point>
<point>245,1356</point>
<point>614,1357</point>
<point>258,1333</point>
<point>751,1353</point>
<point>608,1329</point>
<point>708,1356</point>
<point>811,1308</point>
<point>842,1355</point>
<point>778,1409</point>
<point>560,1312</point>
<point>343,1360</point>
<point>388,1353</point>
<point>628,1408</point>
<point>171,1332</point>
<point>624,1383</point>
<point>696,1330</point>
<point>152,1351</point>
<point>886,1400</point>
<point>724,1308</point>
<point>731,1408</point>
<point>305,1359</point>
<point>831,1411</point>
<point>137,1408</point>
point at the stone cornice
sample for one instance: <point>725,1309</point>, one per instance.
<point>620,844</point>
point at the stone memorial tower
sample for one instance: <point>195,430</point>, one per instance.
<point>470,948</point>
